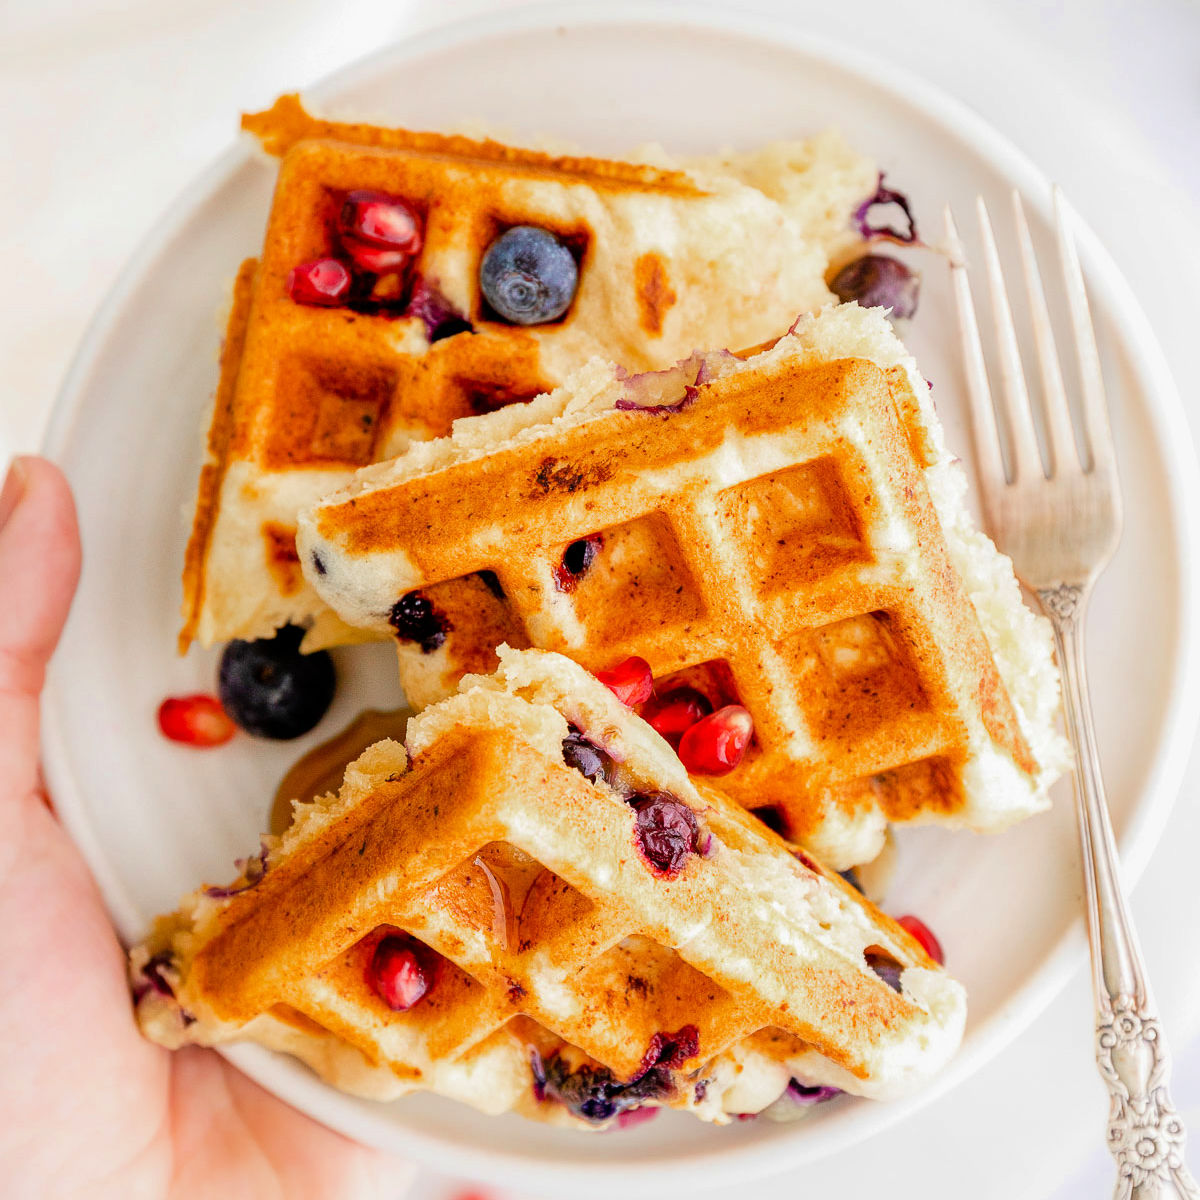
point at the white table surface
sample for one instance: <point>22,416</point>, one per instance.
<point>108,108</point>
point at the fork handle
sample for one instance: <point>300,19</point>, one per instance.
<point>1145,1134</point>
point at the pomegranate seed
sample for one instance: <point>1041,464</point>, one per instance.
<point>396,974</point>
<point>636,1116</point>
<point>630,681</point>
<point>718,742</point>
<point>197,720</point>
<point>322,281</point>
<point>377,260</point>
<point>924,935</point>
<point>675,713</point>
<point>381,220</point>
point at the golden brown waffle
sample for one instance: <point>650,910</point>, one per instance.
<point>770,539</point>
<point>307,394</point>
<point>561,946</point>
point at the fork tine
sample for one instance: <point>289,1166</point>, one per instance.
<point>986,437</point>
<point>1026,457</point>
<point>1060,434</point>
<point>1095,407</point>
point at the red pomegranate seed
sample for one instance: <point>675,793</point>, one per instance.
<point>924,935</point>
<point>675,713</point>
<point>636,1116</point>
<point>396,974</point>
<point>323,281</point>
<point>630,681</point>
<point>377,260</point>
<point>718,742</point>
<point>381,220</point>
<point>196,720</point>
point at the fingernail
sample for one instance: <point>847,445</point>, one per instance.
<point>13,490</point>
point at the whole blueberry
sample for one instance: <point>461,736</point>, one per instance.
<point>272,690</point>
<point>878,281</point>
<point>528,276</point>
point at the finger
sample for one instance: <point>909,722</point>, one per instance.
<point>39,568</point>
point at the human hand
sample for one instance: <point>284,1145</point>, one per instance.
<point>88,1107</point>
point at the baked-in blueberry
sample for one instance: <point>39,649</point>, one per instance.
<point>586,757</point>
<point>528,276</point>
<point>665,830</point>
<point>592,1092</point>
<point>576,559</point>
<point>415,619</point>
<point>887,969</point>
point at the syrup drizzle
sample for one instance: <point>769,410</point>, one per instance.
<point>501,906</point>
<point>321,770</point>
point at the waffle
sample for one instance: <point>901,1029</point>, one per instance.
<point>308,394</point>
<point>571,969</point>
<point>787,534</point>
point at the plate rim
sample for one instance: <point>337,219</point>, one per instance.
<point>1163,410</point>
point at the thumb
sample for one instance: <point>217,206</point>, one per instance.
<point>39,568</point>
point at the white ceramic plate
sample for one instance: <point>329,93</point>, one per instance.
<point>154,819</point>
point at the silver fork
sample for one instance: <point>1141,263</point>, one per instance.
<point>1060,521</point>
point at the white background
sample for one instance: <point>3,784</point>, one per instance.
<point>109,110</point>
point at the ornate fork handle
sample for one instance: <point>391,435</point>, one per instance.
<point>1145,1134</point>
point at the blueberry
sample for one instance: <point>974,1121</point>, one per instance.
<point>576,560</point>
<point>887,969</point>
<point>665,830</point>
<point>415,619</point>
<point>595,1095</point>
<point>877,281</point>
<point>850,875</point>
<point>152,973</point>
<point>528,276</point>
<point>803,1094</point>
<point>586,757</point>
<point>272,690</point>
